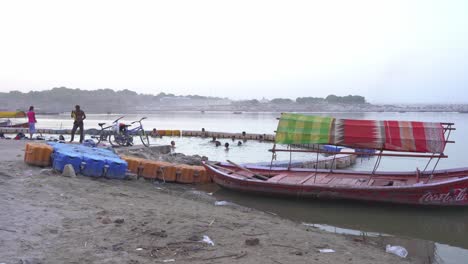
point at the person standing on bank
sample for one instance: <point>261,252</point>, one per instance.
<point>32,121</point>
<point>78,115</point>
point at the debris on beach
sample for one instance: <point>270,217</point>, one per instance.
<point>326,250</point>
<point>208,240</point>
<point>397,250</point>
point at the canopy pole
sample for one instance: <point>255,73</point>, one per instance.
<point>333,162</point>
<point>290,157</point>
<point>449,128</point>
<point>427,165</point>
<point>433,169</point>
<point>273,156</point>
<point>449,131</point>
<point>316,165</point>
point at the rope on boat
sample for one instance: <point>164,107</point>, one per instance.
<point>377,162</point>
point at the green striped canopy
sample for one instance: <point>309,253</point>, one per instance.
<point>303,129</point>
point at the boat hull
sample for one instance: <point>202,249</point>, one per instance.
<point>19,125</point>
<point>449,190</point>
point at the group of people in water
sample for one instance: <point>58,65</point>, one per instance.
<point>226,145</point>
<point>214,140</point>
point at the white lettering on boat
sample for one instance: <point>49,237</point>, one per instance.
<point>455,195</point>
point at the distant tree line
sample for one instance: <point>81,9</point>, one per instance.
<point>332,99</point>
<point>63,99</point>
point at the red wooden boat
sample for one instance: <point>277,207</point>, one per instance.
<point>431,187</point>
<point>445,187</point>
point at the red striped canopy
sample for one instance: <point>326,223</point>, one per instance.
<point>409,136</point>
<point>406,136</point>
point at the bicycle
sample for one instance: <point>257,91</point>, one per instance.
<point>105,132</point>
<point>125,136</point>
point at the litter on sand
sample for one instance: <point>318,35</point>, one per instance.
<point>207,240</point>
<point>326,250</point>
<point>397,250</point>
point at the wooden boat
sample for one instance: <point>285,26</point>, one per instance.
<point>446,187</point>
<point>12,114</point>
<point>432,187</point>
<point>7,122</point>
<point>18,125</point>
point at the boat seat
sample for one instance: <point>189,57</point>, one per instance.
<point>324,180</point>
<point>278,177</point>
<point>343,181</point>
<point>312,179</point>
<point>382,182</point>
<point>399,183</point>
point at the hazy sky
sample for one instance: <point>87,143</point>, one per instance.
<point>388,51</point>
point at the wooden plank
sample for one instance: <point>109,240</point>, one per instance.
<point>343,181</point>
<point>326,179</point>
<point>277,178</point>
<point>311,177</point>
<point>290,179</point>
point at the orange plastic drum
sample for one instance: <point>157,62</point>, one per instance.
<point>38,154</point>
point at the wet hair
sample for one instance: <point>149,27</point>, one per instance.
<point>173,143</point>
<point>239,143</point>
<point>226,145</point>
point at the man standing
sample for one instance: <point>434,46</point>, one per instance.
<point>32,121</point>
<point>79,116</point>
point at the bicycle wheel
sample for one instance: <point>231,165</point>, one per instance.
<point>144,138</point>
<point>117,140</point>
<point>101,136</point>
<point>95,134</point>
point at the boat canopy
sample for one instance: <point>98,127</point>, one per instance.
<point>11,114</point>
<point>405,136</point>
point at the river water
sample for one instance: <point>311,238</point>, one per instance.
<point>431,235</point>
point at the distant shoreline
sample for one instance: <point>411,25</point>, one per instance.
<point>253,111</point>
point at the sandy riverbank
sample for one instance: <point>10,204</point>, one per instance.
<point>48,218</point>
